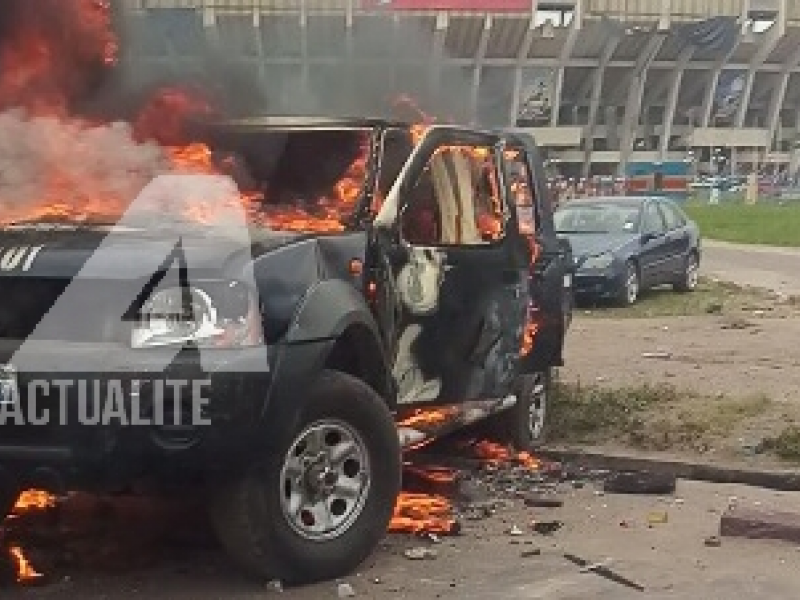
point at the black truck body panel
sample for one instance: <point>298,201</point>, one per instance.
<point>324,300</point>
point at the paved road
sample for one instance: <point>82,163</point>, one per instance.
<point>484,563</point>
<point>777,269</point>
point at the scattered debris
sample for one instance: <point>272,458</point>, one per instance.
<point>420,553</point>
<point>531,553</point>
<point>657,355</point>
<point>547,527</point>
<point>736,324</point>
<point>345,590</point>
<point>640,482</point>
<point>536,501</point>
<point>713,541</point>
<point>515,531</point>
<point>658,517</point>
<point>603,571</point>
<point>756,523</point>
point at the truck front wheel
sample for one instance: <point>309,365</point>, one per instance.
<point>316,507</point>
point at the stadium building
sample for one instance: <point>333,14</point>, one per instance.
<point>649,90</point>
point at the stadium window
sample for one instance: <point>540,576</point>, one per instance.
<point>556,14</point>
<point>760,21</point>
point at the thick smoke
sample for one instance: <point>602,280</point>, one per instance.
<point>83,113</point>
<point>58,162</point>
<point>387,58</point>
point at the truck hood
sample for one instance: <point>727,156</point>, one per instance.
<point>109,252</point>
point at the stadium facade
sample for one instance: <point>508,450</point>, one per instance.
<point>609,87</point>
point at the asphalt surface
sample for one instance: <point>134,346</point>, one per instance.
<point>776,269</point>
<point>669,559</point>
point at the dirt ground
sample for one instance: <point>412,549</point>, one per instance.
<point>712,354</point>
<point>484,562</point>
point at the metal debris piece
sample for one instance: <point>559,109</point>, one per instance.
<point>603,571</point>
<point>515,531</point>
<point>420,553</point>
<point>658,517</point>
<point>657,355</point>
<point>345,590</point>
<point>640,482</point>
<point>713,541</point>
<point>537,501</point>
<point>531,553</point>
<point>547,527</point>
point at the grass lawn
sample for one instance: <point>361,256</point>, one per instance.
<point>768,224</point>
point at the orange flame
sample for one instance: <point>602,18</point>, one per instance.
<point>52,51</point>
<point>422,513</point>
<point>24,569</point>
<point>34,500</point>
<point>429,417</point>
<point>496,454</point>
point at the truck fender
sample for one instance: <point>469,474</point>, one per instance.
<point>332,313</point>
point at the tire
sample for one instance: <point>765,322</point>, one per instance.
<point>251,513</point>
<point>689,278</point>
<point>631,286</point>
<point>524,426</point>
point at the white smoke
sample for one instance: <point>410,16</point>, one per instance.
<point>37,154</point>
<point>69,163</point>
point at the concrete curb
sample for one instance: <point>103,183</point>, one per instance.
<point>781,480</point>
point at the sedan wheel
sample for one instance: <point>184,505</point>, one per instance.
<point>631,286</point>
<point>690,276</point>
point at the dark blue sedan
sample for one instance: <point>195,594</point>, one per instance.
<point>624,245</point>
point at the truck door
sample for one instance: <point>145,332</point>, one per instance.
<point>460,277</point>
<point>549,279</point>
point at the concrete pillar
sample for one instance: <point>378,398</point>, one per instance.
<point>771,39</point>
<point>779,94</point>
<point>263,78</point>
<point>522,60</point>
<point>305,67</point>
<point>633,105</point>
<point>350,53</point>
<point>566,53</point>
<point>675,79</point>
<point>477,72</point>
<point>595,84</point>
<point>435,71</point>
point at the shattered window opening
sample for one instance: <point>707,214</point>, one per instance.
<point>457,200</point>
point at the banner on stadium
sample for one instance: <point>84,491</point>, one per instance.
<point>466,5</point>
<point>536,97</point>
<point>729,93</point>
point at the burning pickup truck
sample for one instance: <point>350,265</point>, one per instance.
<point>279,351</point>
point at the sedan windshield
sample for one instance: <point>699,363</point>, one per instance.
<point>597,218</point>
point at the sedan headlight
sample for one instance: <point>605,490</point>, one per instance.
<point>189,316</point>
<point>601,261</point>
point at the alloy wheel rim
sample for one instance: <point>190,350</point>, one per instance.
<point>632,286</point>
<point>324,480</point>
<point>537,407</point>
<point>692,274</point>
